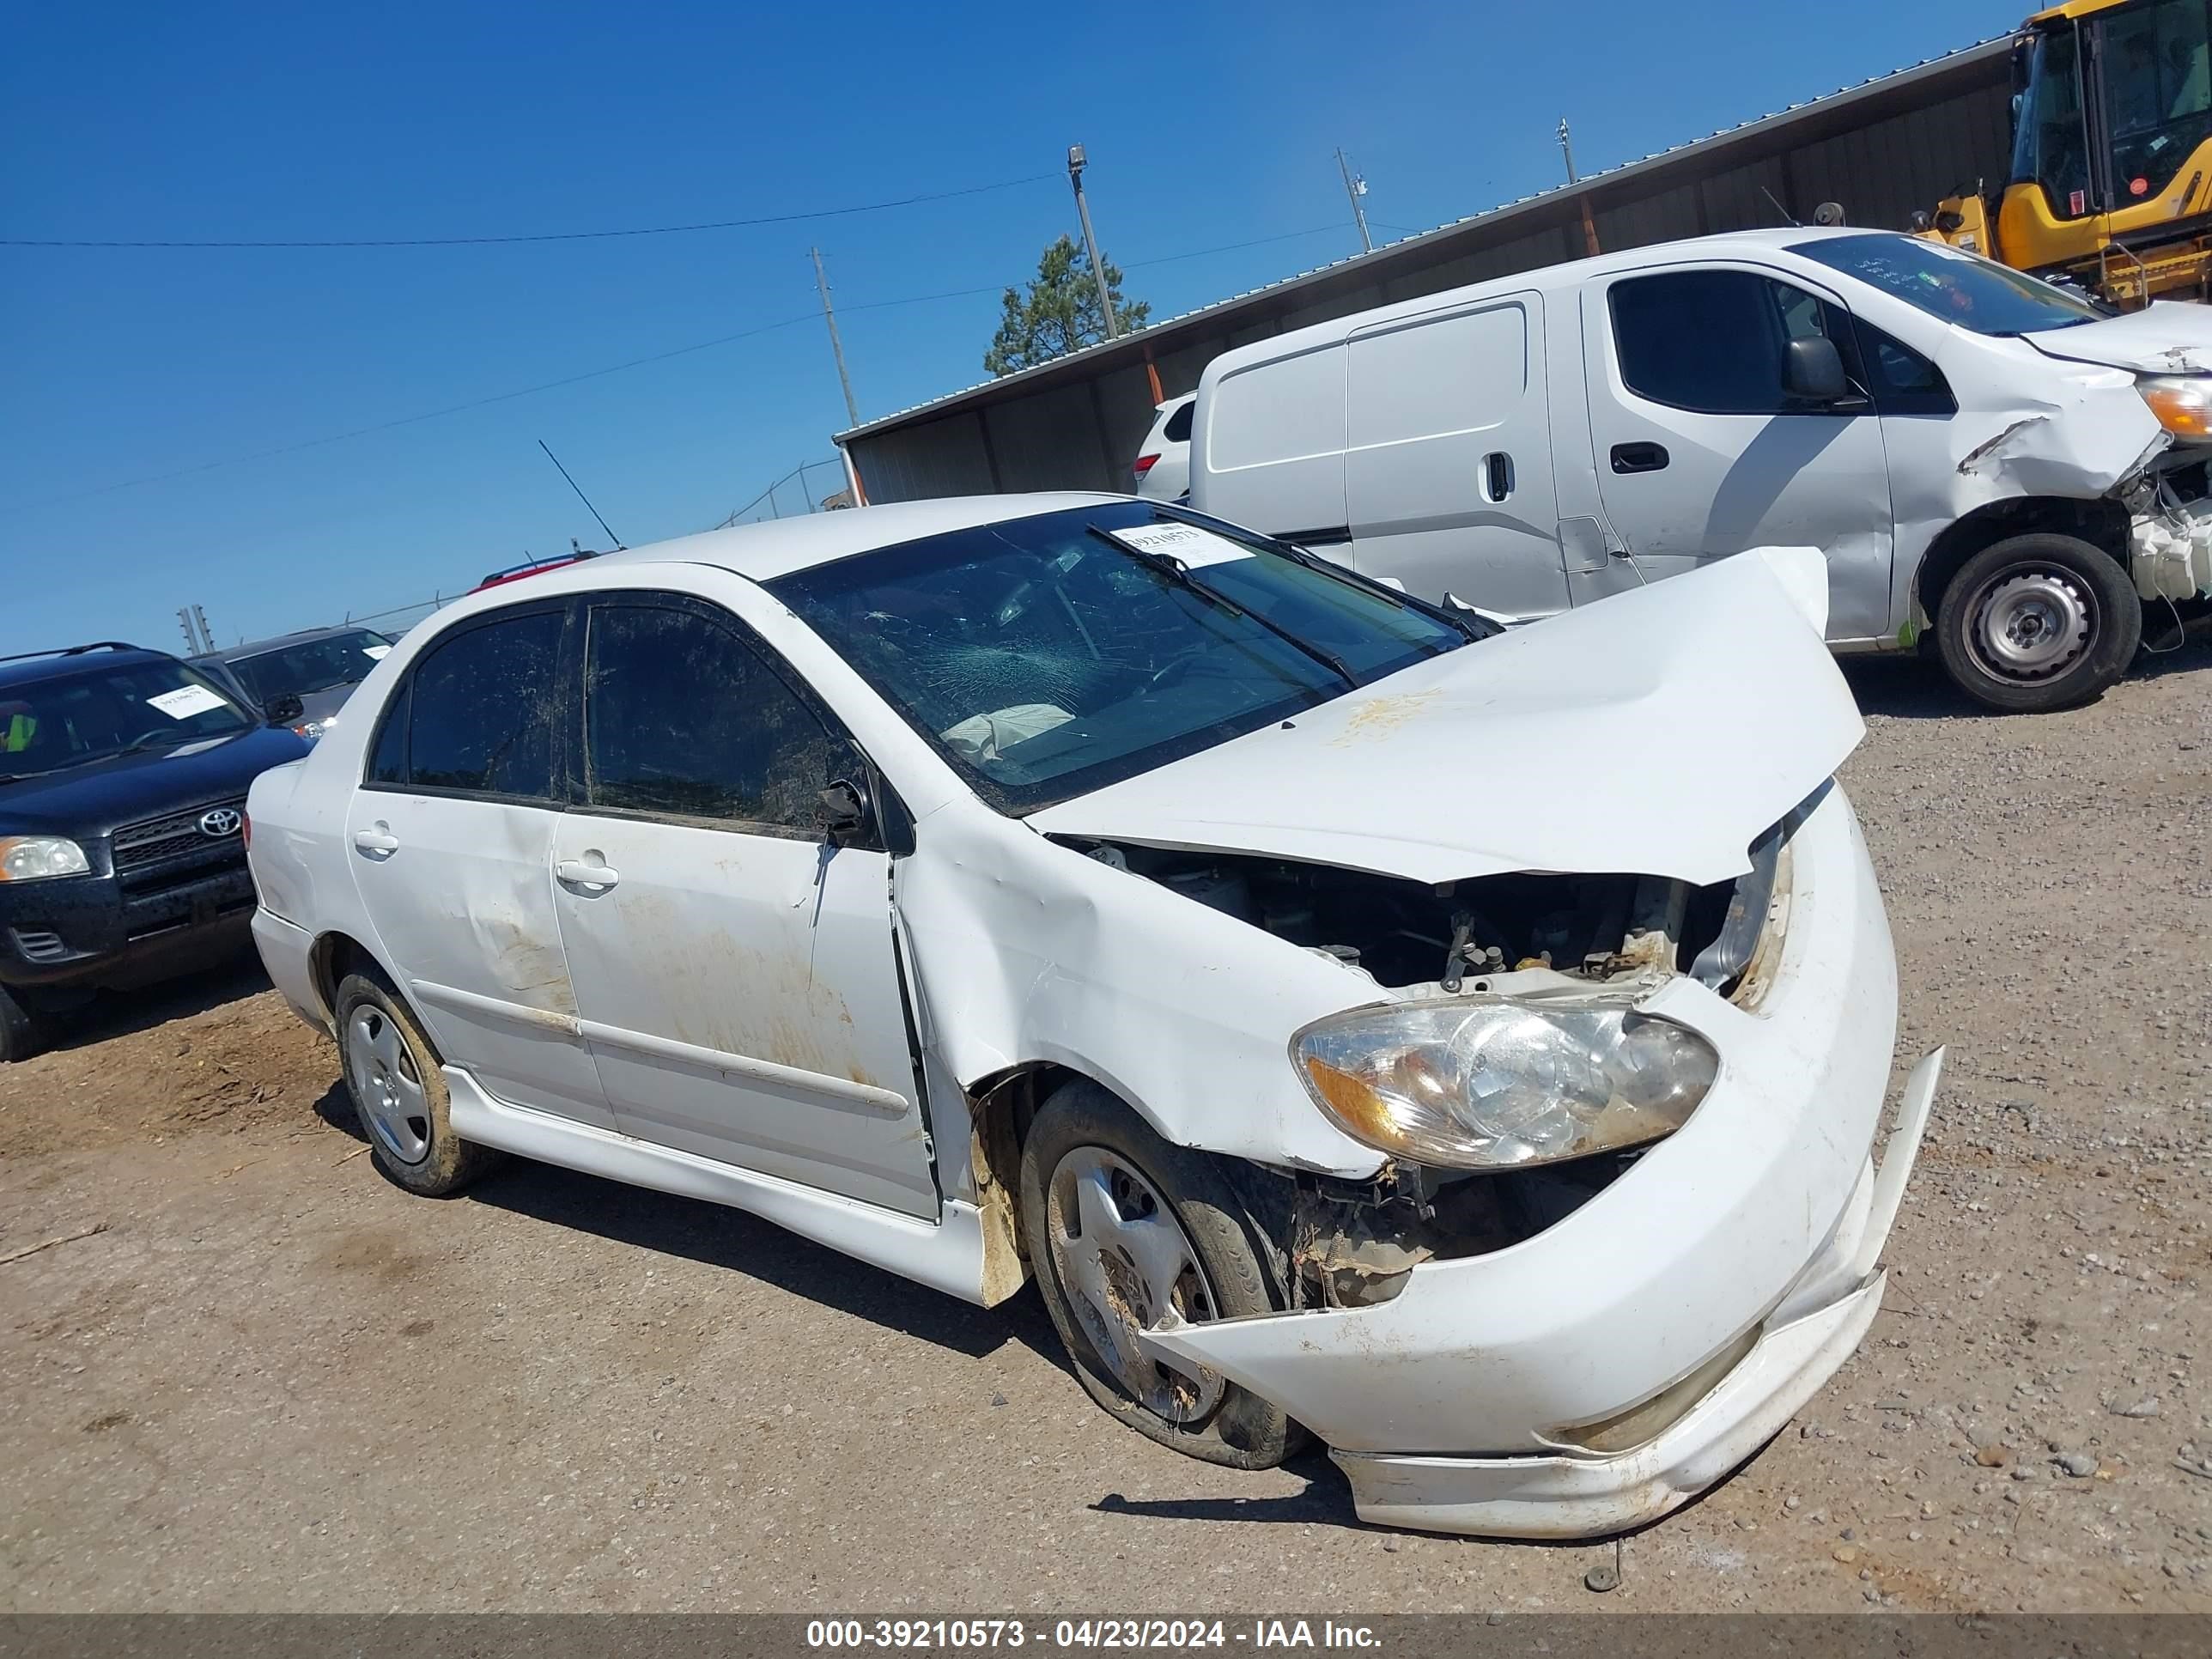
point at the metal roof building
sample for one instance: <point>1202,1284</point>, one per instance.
<point>1882,149</point>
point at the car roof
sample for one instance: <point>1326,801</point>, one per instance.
<point>278,641</point>
<point>763,552</point>
<point>74,659</point>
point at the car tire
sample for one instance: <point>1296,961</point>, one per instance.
<point>1146,1198</point>
<point>21,1033</point>
<point>398,1091</point>
<point>2038,621</point>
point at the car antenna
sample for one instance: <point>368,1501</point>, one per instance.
<point>619,543</point>
<point>1763,191</point>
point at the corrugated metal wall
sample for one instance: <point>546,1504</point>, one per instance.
<point>1079,428</point>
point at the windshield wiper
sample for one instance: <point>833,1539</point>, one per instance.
<point>1180,573</point>
<point>156,740</point>
<point>1466,627</point>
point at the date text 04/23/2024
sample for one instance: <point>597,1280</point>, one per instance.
<point>1086,1633</point>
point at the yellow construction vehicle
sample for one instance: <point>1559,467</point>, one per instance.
<point>2110,181</point>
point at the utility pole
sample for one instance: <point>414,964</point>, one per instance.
<point>1355,187</point>
<point>1567,149</point>
<point>836,348</point>
<point>1075,164</point>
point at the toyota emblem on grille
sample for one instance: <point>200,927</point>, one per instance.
<point>222,821</point>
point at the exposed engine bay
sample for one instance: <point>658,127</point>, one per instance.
<point>1405,935</point>
<point>1352,1245</point>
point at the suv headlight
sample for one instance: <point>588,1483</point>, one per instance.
<point>30,857</point>
<point>2182,403</point>
<point>1499,1083</point>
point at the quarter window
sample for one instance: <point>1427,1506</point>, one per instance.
<point>1711,341</point>
<point>682,718</point>
<point>481,715</point>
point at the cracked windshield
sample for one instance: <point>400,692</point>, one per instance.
<point>1050,655</point>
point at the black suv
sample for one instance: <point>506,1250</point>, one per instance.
<point>123,778</point>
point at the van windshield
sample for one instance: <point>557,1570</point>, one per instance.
<point>1049,656</point>
<point>1957,287</point>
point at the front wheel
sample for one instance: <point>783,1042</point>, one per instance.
<point>21,1035</point>
<point>2038,621</point>
<point>1123,1228</point>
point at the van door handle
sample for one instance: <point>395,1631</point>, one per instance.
<point>1496,476</point>
<point>1640,458</point>
<point>586,872</point>
<point>378,843</point>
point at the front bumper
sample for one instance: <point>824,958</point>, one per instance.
<point>82,932</point>
<point>1450,1406</point>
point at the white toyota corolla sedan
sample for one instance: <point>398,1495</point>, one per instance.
<point>1468,1049</point>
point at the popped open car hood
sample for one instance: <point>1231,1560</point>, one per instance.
<point>2166,337</point>
<point>1656,733</point>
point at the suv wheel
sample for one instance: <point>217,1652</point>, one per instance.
<point>21,1035</point>
<point>2038,621</point>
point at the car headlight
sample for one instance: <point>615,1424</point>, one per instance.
<point>1500,1082</point>
<point>2182,403</point>
<point>31,858</point>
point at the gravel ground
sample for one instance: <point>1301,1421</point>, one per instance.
<point>274,1381</point>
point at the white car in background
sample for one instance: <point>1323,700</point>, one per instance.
<point>1163,467</point>
<point>1068,884</point>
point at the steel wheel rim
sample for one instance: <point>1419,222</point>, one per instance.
<point>2028,625</point>
<point>1122,1260</point>
<point>387,1087</point>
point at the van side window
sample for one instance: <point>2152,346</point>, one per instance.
<point>1903,381</point>
<point>482,707</point>
<point>1711,341</point>
<point>682,718</point>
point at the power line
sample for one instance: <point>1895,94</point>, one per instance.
<point>549,236</point>
<point>595,374</point>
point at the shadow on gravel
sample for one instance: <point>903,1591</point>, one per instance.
<point>723,1238</point>
<point>111,1014</point>
<point>1326,1498</point>
<point>1906,688</point>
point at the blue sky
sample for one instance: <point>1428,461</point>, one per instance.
<point>1205,126</point>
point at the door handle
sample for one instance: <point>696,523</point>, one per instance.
<point>1496,476</point>
<point>586,872</point>
<point>378,843</point>
<point>1640,458</point>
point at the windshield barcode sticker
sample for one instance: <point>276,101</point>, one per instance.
<point>185,701</point>
<point>1186,544</point>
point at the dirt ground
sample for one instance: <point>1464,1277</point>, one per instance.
<point>275,1381</point>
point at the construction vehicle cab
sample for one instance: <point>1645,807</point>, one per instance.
<point>2110,181</point>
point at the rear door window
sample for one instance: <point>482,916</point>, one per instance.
<point>483,711</point>
<point>684,718</point>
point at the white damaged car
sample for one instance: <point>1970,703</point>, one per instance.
<point>1467,1049</point>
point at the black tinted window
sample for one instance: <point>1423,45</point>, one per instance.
<point>485,705</point>
<point>1177,430</point>
<point>387,763</point>
<point>682,717</point>
<point>1711,341</point>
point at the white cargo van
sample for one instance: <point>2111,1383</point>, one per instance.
<point>1978,452</point>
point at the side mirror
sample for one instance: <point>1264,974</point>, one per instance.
<point>844,811</point>
<point>1814,371</point>
<point>285,710</point>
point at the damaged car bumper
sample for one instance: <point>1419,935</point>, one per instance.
<point>1598,1374</point>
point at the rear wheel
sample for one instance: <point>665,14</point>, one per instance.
<point>1122,1228</point>
<point>21,1035</point>
<point>2038,621</point>
<point>398,1092</point>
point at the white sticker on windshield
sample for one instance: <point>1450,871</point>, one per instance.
<point>379,652</point>
<point>185,702</point>
<point>1186,544</point>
